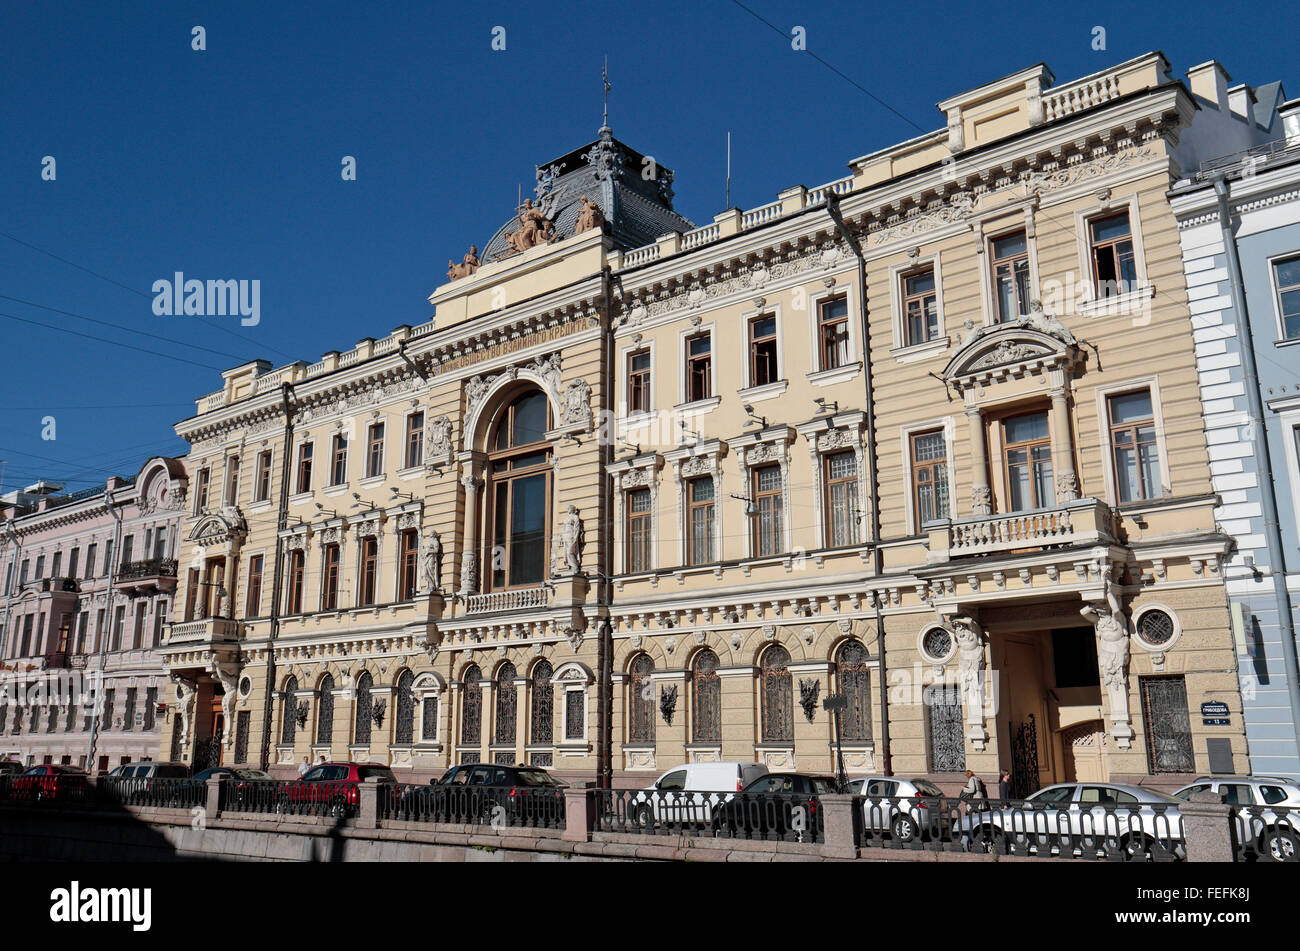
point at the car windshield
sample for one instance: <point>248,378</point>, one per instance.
<point>1150,795</point>
<point>823,786</point>
<point>537,777</point>
<point>383,772</point>
<point>251,774</point>
<point>1053,794</point>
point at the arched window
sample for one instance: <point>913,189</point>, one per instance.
<point>289,720</point>
<point>542,726</point>
<point>641,700</point>
<point>325,711</point>
<point>855,686</point>
<point>365,708</point>
<point>519,493</point>
<point>706,698</point>
<point>404,721</point>
<point>777,696</point>
<point>471,707</point>
<point>507,706</point>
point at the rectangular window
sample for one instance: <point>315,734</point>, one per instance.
<point>83,621</point>
<point>339,459</point>
<point>1135,454</point>
<point>638,382</point>
<point>101,631</point>
<point>137,634</point>
<point>159,619</point>
<point>160,543</point>
<point>22,575</point>
<point>575,714</point>
<point>128,717</point>
<point>762,351</point>
<point>297,562</point>
<point>128,549</point>
<point>375,451</point>
<point>1027,450</point>
<point>429,720</point>
<point>108,556</point>
<point>639,541</point>
<point>833,332</point>
<point>699,363</point>
<point>408,560</point>
<point>1168,724</point>
<point>929,478</point>
<point>920,306</point>
<point>767,499</point>
<point>329,588</point>
<point>57,566</point>
<point>1114,269</point>
<point>106,715</point>
<point>91,551</point>
<point>1010,263</point>
<point>841,499</point>
<point>1286,275</point>
<point>414,440</point>
<point>700,521</point>
<point>119,624</point>
<point>26,647</point>
<point>201,491</point>
<point>40,566</point>
<point>232,480</point>
<point>369,569</point>
<point>263,485</point>
<point>304,467</point>
<point>191,593</point>
<point>150,703</point>
<point>254,606</point>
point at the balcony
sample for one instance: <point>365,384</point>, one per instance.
<point>151,576</point>
<point>513,599</point>
<point>1074,524</point>
<point>194,634</point>
<point>52,585</point>
<point>55,661</point>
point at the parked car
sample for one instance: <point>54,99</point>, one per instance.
<point>329,788</point>
<point>1072,817</point>
<point>905,808</point>
<point>9,767</point>
<point>51,783</point>
<point>151,770</point>
<point>690,793</point>
<point>231,772</point>
<point>1269,824</point>
<point>776,806</point>
<point>472,792</point>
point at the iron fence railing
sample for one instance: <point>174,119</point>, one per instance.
<point>292,798</point>
<point>1266,834</point>
<point>155,792</point>
<point>496,806</point>
<point>788,817</point>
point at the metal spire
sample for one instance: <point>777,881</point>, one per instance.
<point>604,76</point>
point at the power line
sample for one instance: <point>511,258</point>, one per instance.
<point>115,343</point>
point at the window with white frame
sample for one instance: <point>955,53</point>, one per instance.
<point>700,521</point>
<point>1114,264</point>
<point>1286,281</point>
<point>1009,263</point>
<point>699,367</point>
<point>833,332</point>
<point>920,305</point>
<point>1135,452</point>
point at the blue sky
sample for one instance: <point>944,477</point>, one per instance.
<point>225,163</point>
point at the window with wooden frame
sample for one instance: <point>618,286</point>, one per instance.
<point>191,594</point>
<point>762,350</point>
<point>329,580</point>
<point>929,477</point>
<point>262,485</point>
<point>1009,259</point>
<point>639,540</point>
<point>232,480</point>
<point>519,474</point>
<point>369,570</point>
<point>1027,458</point>
<point>414,440</point>
<point>1114,267</point>
<point>304,467</point>
<point>1286,278</point>
<point>768,529</point>
<point>700,518</point>
<point>375,450</point>
<point>920,306</point>
<point>833,332</point>
<point>297,564</point>
<point>408,554</point>
<point>1134,450</point>
<point>253,606</point>
<point>699,367</point>
<point>841,479</point>
<point>201,490</point>
<point>638,382</point>
<point>339,459</point>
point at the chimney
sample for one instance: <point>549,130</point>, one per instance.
<point>1209,83</point>
<point>1241,100</point>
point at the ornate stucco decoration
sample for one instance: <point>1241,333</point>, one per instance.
<point>970,669</point>
<point>568,545</point>
<point>957,208</point>
<point>809,690</point>
<point>430,563</point>
<point>437,441</point>
<point>1040,183</point>
<point>590,217</point>
<point>771,446</point>
<point>1112,626</point>
<point>544,371</point>
<point>185,702</point>
<point>218,528</point>
<point>359,397</point>
<point>575,410</point>
<point>638,472</point>
<point>844,431</point>
<point>1034,344</point>
<point>226,670</point>
<point>369,525</point>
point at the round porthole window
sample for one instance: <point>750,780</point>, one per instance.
<point>245,686</point>
<point>937,644</point>
<point>1156,628</point>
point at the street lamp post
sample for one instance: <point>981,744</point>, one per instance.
<point>835,703</point>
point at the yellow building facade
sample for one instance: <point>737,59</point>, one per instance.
<point>925,440</point>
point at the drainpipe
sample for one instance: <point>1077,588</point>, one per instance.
<point>1263,461</point>
<point>605,646</point>
<point>105,636</point>
<point>833,207</point>
<point>286,463</point>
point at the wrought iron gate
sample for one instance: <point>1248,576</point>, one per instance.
<point>1024,758</point>
<point>1168,724</point>
<point>207,753</point>
<point>947,739</point>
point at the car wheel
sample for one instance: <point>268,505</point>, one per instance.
<point>644,819</point>
<point>1280,844</point>
<point>1137,848</point>
<point>904,828</point>
<point>338,809</point>
<point>991,840</point>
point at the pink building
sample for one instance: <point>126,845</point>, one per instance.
<point>87,580</point>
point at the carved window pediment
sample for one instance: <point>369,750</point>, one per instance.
<point>1034,344</point>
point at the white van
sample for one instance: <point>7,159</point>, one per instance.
<point>689,793</point>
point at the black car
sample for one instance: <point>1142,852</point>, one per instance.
<point>488,794</point>
<point>240,782</point>
<point>776,806</point>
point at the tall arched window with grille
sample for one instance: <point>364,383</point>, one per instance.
<point>706,698</point>
<point>404,721</point>
<point>641,700</point>
<point>777,696</point>
<point>507,706</point>
<point>365,708</point>
<point>854,679</point>
<point>471,707</point>
<point>289,719</point>
<point>518,493</point>
<point>541,730</point>
<point>325,711</point>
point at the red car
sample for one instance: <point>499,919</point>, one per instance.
<point>50,783</point>
<point>329,789</point>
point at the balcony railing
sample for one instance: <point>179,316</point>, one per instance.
<point>1081,522</point>
<point>50,584</point>
<point>148,568</point>
<point>510,600</point>
<point>207,629</point>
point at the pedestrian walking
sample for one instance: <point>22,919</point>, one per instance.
<point>1004,785</point>
<point>974,788</point>
<point>304,766</point>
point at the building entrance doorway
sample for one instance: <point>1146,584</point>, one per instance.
<point>1083,750</point>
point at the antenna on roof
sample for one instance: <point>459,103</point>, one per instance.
<point>604,77</point>
<point>728,197</point>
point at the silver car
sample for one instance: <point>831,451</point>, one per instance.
<point>900,807</point>
<point>1268,820</point>
<point>1069,818</point>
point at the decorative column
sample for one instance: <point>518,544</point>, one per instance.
<point>469,535</point>
<point>981,497</point>
<point>1112,660</point>
<point>971,668</point>
<point>1067,483</point>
